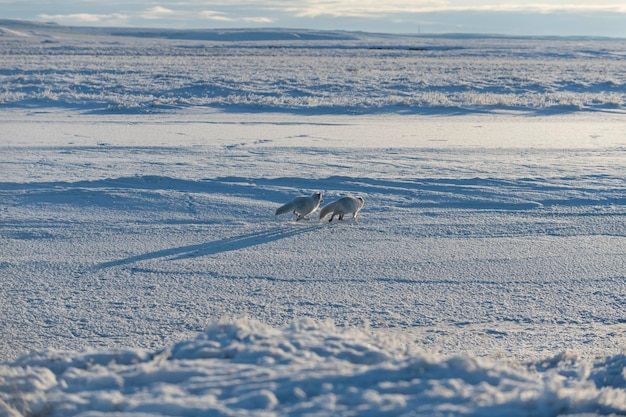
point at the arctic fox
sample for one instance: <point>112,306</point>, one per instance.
<point>342,207</point>
<point>301,206</point>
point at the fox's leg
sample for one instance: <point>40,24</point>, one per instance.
<point>341,216</point>
<point>300,216</point>
<point>331,217</point>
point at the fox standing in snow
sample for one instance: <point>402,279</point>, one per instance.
<point>301,206</point>
<point>343,206</point>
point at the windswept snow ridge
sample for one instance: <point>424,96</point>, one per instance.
<point>247,368</point>
<point>303,71</point>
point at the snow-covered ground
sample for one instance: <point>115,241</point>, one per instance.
<point>143,271</point>
<point>304,71</point>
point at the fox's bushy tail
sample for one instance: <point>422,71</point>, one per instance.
<point>285,208</point>
<point>328,209</point>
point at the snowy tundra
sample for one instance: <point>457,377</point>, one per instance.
<point>143,271</point>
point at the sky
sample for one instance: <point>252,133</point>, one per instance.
<point>509,17</point>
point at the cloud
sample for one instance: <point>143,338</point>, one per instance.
<point>85,18</point>
<point>157,12</point>
<point>258,19</point>
<point>390,15</point>
<point>213,15</point>
<point>165,13</point>
<point>374,8</point>
<point>221,17</point>
<point>565,7</point>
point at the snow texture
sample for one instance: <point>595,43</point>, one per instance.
<point>143,271</point>
<point>307,368</point>
<point>303,71</point>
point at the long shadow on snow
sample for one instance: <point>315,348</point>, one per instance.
<point>228,244</point>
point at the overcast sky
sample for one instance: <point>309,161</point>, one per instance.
<point>588,18</point>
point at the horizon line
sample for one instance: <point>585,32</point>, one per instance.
<point>419,33</point>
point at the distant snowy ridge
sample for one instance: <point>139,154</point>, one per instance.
<point>260,34</point>
<point>8,32</point>
<point>16,27</point>
<point>243,367</point>
<point>146,70</point>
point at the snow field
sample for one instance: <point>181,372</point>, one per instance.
<point>143,271</point>
<point>101,70</point>
<point>455,245</point>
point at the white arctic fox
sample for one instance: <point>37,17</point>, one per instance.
<point>301,206</point>
<point>343,206</point>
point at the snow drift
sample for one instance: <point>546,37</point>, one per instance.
<point>246,368</point>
